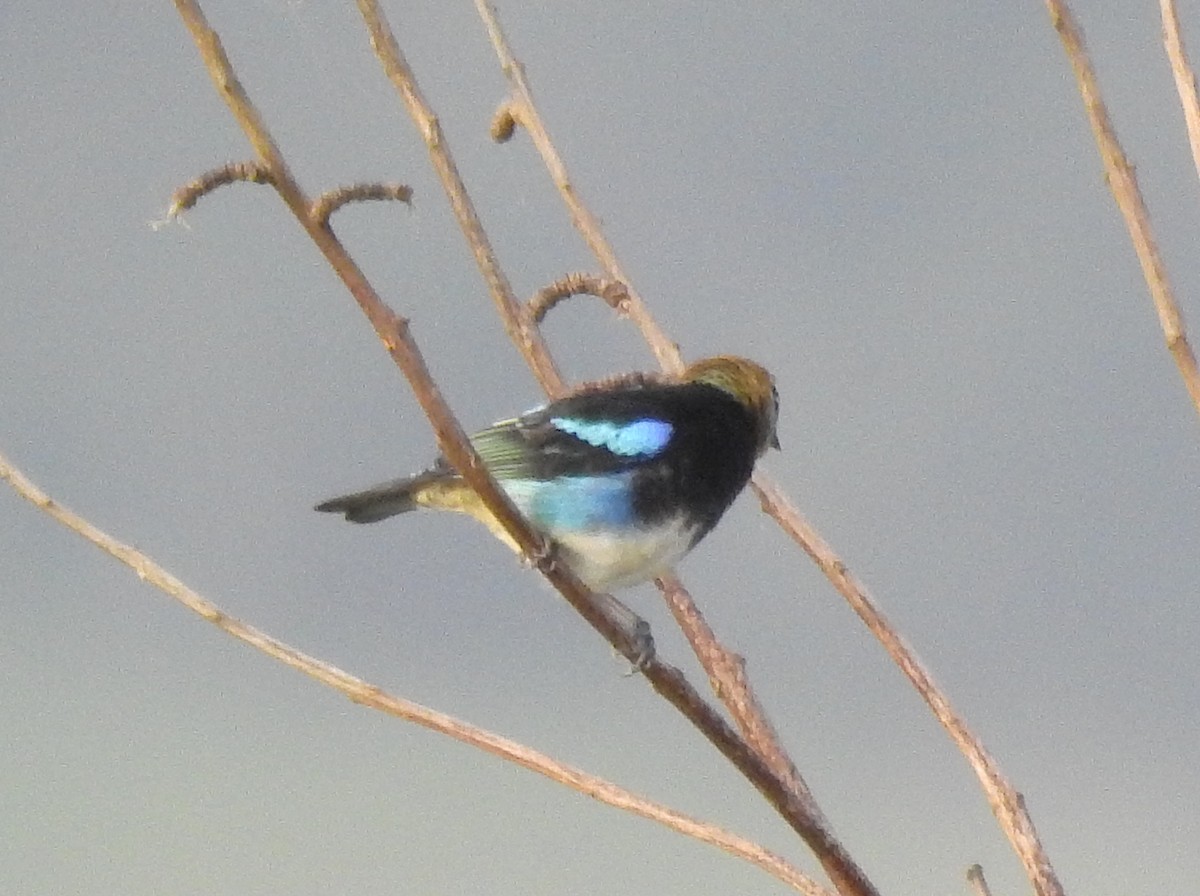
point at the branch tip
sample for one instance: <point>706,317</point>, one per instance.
<point>975,878</point>
<point>192,192</point>
<point>332,200</point>
<point>504,122</point>
<point>613,292</point>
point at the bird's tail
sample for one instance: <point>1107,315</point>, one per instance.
<point>383,500</point>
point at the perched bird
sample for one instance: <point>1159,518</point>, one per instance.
<point>624,477</point>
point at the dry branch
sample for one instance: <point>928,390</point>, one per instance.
<point>332,200</point>
<point>192,192</point>
<point>1122,181</point>
<point>757,753</point>
<point>374,697</point>
<point>613,292</point>
<point>1004,800</point>
<point>393,331</point>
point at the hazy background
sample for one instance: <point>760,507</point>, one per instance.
<point>897,208</point>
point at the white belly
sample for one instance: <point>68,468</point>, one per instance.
<point>607,560</point>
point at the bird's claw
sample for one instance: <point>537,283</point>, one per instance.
<point>644,650</point>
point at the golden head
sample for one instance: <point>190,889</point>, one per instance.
<point>746,381</point>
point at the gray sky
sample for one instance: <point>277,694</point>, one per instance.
<point>898,209</point>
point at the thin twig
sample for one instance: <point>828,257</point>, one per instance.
<point>374,697</point>
<point>192,192</point>
<point>727,677</point>
<point>1006,803</point>
<point>520,109</point>
<point>1185,77</point>
<point>520,329</point>
<point>1010,813</point>
<point>393,331</point>
<point>1122,181</point>
<point>613,292</point>
<point>332,200</point>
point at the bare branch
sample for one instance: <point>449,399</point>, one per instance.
<point>332,200</point>
<point>1122,181</point>
<point>520,106</point>
<point>393,331</point>
<point>192,192</point>
<point>1185,77</point>
<point>374,697</point>
<point>1006,803</point>
<point>520,329</point>
<point>727,678</point>
<point>613,292</point>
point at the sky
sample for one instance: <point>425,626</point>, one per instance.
<point>897,208</point>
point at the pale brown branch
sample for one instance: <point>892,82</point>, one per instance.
<point>332,200</point>
<point>1006,803</point>
<point>393,331</point>
<point>520,109</point>
<point>520,329</point>
<point>1185,77</point>
<point>374,697</point>
<point>1122,181</point>
<point>727,676</point>
<point>192,192</point>
<point>614,293</point>
<point>793,805</point>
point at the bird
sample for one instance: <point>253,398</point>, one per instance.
<point>624,477</point>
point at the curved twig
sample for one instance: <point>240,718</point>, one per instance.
<point>768,773</point>
<point>520,329</point>
<point>613,292</point>
<point>192,192</point>
<point>332,200</point>
<point>1006,804</point>
<point>393,331</point>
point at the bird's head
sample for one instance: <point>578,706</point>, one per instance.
<point>749,383</point>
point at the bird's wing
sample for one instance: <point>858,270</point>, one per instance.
<point>584,435</point>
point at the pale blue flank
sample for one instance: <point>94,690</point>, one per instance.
<point>646,437</point>
<point>574,503</point>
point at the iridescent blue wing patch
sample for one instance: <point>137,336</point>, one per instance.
<point>635,438</point>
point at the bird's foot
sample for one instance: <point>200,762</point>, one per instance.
<point>638,648</point>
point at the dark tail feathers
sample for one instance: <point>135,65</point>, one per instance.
<point>380,501</point>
